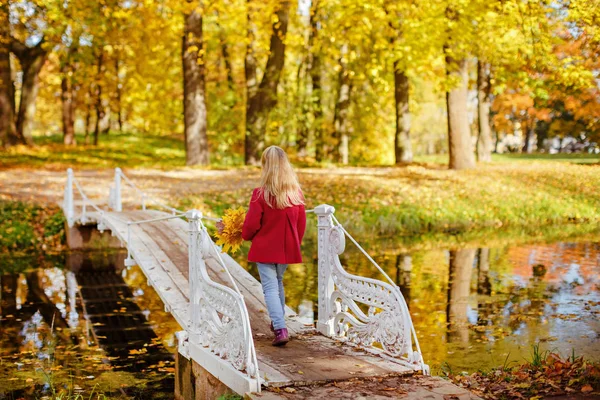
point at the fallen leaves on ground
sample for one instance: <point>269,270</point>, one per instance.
<point>555,376</point>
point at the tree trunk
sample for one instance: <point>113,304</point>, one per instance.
<point>68,118</point>
<point>484,139</point>
<point>315,72</point>
<point>32,60</point>
<point>459,135</point>
<point>304,100</point>
<point>263,99</point>
<point>342,105</point>
<point>225,54</point>
<point>99,109</point>
<point>8,129</point>
<point>88,115</point>
<point>119,90</point>
<point>402,144</point>
<point>529,134</point>
<point>194,92</point>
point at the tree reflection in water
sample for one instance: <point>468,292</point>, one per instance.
<point>478,307</point>
<point>79,329</point>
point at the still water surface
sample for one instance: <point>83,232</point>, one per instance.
<point>86,324</point>
<point>478,308</point>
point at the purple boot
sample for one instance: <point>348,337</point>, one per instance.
<point>281,337</point>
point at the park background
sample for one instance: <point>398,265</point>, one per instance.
<point>457,139</point>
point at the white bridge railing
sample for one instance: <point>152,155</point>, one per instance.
<point>385,327</point>
<point>219,319</point>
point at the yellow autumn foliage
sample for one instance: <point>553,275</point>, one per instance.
<point>231,236</point>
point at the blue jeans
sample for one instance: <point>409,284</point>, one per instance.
<point>271,277</point>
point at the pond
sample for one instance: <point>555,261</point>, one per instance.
<point>476,308</point>
<point>83,325</point>
<point>86,325</point>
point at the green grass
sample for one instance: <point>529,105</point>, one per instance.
<point>510,157</point>
<point>123,150</point>
<point>418,200</point>
<point>27,229</point>
<point>516,190</point>
<point>168,151</point>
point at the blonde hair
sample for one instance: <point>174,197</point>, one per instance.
<point>279,183</point>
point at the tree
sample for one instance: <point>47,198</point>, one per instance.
<point>402,144</point>
<point>342,105</point>
<point>460,145</point>
<point>32,60</point>
<point>194,96</point>
<point>484,138</point>
<point>67,70</point>
<point>100,112</point>
<point>262,99</point>
<point>8,129</point>
<point>315,72</point>
<point>459,133</point>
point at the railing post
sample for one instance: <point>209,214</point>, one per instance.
<point>68,206</point>
<point>116,203</point>
<point>325,282</point>
<point>193,217</point>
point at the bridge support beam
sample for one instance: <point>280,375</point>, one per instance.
<point>88,237</point>
<point>192,382</point>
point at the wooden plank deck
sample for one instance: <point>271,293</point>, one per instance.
<point>161,249</point>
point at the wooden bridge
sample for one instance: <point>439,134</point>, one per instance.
<point>363,329</point>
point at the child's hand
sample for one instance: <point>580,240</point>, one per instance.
<point>220,226</point>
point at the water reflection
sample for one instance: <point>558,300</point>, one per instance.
<point>477,308</point>
<point>81,329</point>
<point>457,314</point>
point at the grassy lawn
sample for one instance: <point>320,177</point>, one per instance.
<point>124,150</point>
<point>419,199</point>
<point>165,152</point>
<point>425,198</point>
<point>510,157</point>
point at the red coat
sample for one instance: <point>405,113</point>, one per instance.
<point>276,234</point>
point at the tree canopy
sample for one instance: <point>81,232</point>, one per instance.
<point>349,81</point>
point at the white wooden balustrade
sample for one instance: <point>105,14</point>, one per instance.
<point>386,327</point>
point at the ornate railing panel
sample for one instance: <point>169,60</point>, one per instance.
<point>218,314</point>
<point>364,312</point>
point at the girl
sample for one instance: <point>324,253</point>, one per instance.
<point>275,224</point>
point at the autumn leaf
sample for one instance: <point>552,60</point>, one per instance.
<point>231,235</point>
<point>587,388</point>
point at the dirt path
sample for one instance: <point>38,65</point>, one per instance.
<point>48,186</point>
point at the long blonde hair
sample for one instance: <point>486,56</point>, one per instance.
<point>279,183</point>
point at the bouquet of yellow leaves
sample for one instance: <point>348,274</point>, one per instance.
<point>229,233</point>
